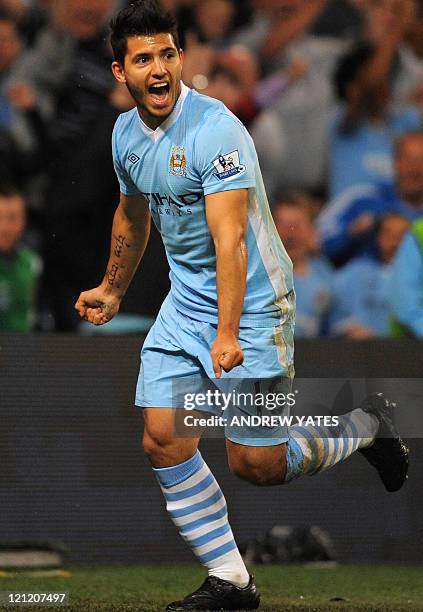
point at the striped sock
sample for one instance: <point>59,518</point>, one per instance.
<point>313,449</point>
<point>198,509</point>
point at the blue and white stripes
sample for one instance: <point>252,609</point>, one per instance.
<point>314,449</point>
<point>198,508</point>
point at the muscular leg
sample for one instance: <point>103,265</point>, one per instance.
<point>260,465</point>
<point>194,500</point>
<point>160,445</point>
<point>309,450</point>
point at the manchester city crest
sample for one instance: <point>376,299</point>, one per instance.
<point>178,162</point>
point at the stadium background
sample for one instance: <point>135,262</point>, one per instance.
<point>72,470</point>
<point>71,465</point>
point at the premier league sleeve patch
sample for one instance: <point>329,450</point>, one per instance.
<point>228,166</point>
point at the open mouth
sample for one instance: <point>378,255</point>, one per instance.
<point>159,93</point>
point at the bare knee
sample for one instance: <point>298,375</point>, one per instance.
<point>157,448</point>
<point>261,466</point>
<point>160,445</point>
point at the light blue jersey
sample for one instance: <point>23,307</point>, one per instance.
<point>200,149</point>
<point>407,286</point>
<point>365,155</point>
<point>363,291</point>
<point>314,293</point>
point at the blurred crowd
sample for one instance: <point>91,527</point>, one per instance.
<point>332,93</point>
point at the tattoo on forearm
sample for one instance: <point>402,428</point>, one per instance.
<point>113,275</point>
<point>120,242</point>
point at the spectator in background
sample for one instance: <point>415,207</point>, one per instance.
<point>19,267</point>
<point>291,135</point>
<point>69,67</point>
<point>362,302</point>
<point>275,25</point>
<point>230,72</point>
<point>363,133</point>
<point>407,285</point>
<point>214,66</point>
<point>415,43</point>
<point>341,18</point>
<point>347,225</point>
<point>232,78</point>
<point>10,52</point>
<point>20,158</point>
<point>68,76</point>
<point>30,17</point>
<point>79,211</point>
<point>415,33</point>
<point>10,48</point>
<point>213,21</point>
<point>407,66</point>
<point>293,217</point>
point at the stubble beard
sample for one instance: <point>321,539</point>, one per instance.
<point>139,97</point>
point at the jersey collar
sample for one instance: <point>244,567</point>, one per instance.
<point>160,131</point>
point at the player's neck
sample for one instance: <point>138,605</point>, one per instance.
<point>151,121</point>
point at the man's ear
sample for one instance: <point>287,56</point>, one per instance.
<point>118,72</point>
<point>182,56</point>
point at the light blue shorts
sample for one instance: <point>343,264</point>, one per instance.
<point>176,355</point>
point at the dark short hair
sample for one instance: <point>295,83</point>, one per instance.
<point>142,18</point>
<point>8,189</point>
<point>349,66</point>
<point>296,199</point>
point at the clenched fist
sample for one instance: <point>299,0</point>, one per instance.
<point>97,306</point>
<point>226,353</point>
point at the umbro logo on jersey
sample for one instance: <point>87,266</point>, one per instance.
<point>228,165</point>
<point>133,158</point>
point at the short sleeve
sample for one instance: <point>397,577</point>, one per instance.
<point>127,186</point>
<point>224,155</point>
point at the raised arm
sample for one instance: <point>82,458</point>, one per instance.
<point>288,28</point>
<point>130,233</point>
<point>397,18</point>
<point>227,220</point>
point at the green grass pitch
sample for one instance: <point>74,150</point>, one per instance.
<point>283,588</point>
